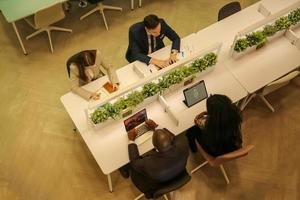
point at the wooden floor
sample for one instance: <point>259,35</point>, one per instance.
<point>41,158</point>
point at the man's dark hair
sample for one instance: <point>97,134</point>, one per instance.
<point>162,140</point>
<point>151,21</point>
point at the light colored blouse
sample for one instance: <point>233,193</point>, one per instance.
<point>93,72</point>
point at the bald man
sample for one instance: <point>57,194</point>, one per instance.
<point>165,162</point>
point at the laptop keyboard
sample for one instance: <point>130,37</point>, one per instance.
<point>141,130</point>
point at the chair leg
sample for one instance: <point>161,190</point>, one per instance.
<point>267,102</point>
<point>193,171</point>
<point>140,3</point>
<point>247,100</point>
<point>104,19</point>
<point>132,4</point>
<point>50,41</point>
<point>89,13</point>
<point>166,197</point>
<point>111,8</point>
<point>55,28</point>
<point>35,33</point>
<point>138,197</point>
<point>224,173</point>
<point>173,195</point>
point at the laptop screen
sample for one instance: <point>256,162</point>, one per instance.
<point>135,120</point>
<point>195,93</point>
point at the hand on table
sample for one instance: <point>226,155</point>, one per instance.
<point>132,134</point>
<point>159,64</point>
<point>173,58</point>
<point>95,96</point>
<point>151,124</point>
<point>199,118</point>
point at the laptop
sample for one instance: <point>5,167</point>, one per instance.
<point>195,94</point>
<point>138,121</point>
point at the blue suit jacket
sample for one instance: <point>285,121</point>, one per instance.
<point>138,41</point>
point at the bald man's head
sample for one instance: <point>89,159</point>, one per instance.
<point>162,140</point>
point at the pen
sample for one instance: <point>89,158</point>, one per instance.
<point>150,70</point>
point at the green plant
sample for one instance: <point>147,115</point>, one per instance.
<point>187,71</point>
<point>259,38</point>
<point>211,59</point>
<point>99,115</point>
<point>121,103</point>
<point>256,38</point>
<point>134,98</point>
<point>241,45</point>
<point>150,89</point>
<point>282,23</point>
<point>113,110</point>
<point>294,16</point>
<point>269,30</point>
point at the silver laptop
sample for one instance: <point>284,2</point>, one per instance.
<point>138,121</point>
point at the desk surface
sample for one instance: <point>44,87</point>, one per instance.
<point>17,9</point>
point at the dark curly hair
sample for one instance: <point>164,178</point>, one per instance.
<point>223,122</point>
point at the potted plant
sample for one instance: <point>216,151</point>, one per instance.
<point>150,89</point>
<point>112,110</point>
<point>150,92</point>
<point>100,117</point>
<point>241,45</point>
<point>294,17</point>
<point>282,23</point>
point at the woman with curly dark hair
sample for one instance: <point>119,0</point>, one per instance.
<point>218,130</point>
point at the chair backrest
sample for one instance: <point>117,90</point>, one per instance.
<point>75,56</point>
<point>49,16</point>
<point>228,10</point>
<point>279,83</point>
<point>173,185</point>
<point>94,1</point>
<point>231,156</point>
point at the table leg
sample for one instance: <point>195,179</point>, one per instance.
<point>132,4</point>
<point>109,183</point>
<point>19,38</point>
<point>247,100</point>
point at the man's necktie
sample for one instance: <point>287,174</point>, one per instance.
<point>152,43</point>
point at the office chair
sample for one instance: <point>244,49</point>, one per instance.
<point>229,9</point>
<point>42,20</point>
<point>100,7</point>
<point>220,160</point>
<point>276,85</point>
<point>170,187</point>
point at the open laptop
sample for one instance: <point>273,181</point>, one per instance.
<point>195,94</point>
<point>138,121</point>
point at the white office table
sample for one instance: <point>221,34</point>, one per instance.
<point>109,144</point>
<point>14,10</point>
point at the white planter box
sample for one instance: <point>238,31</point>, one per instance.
<point>237,55</point>
<point>102,124</point>
<point>146,102</point>
<point>206,71</point>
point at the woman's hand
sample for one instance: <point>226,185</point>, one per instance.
<point>95,96</point>
<point>200,118</point>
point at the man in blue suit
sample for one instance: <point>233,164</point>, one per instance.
<point>147,36</point>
